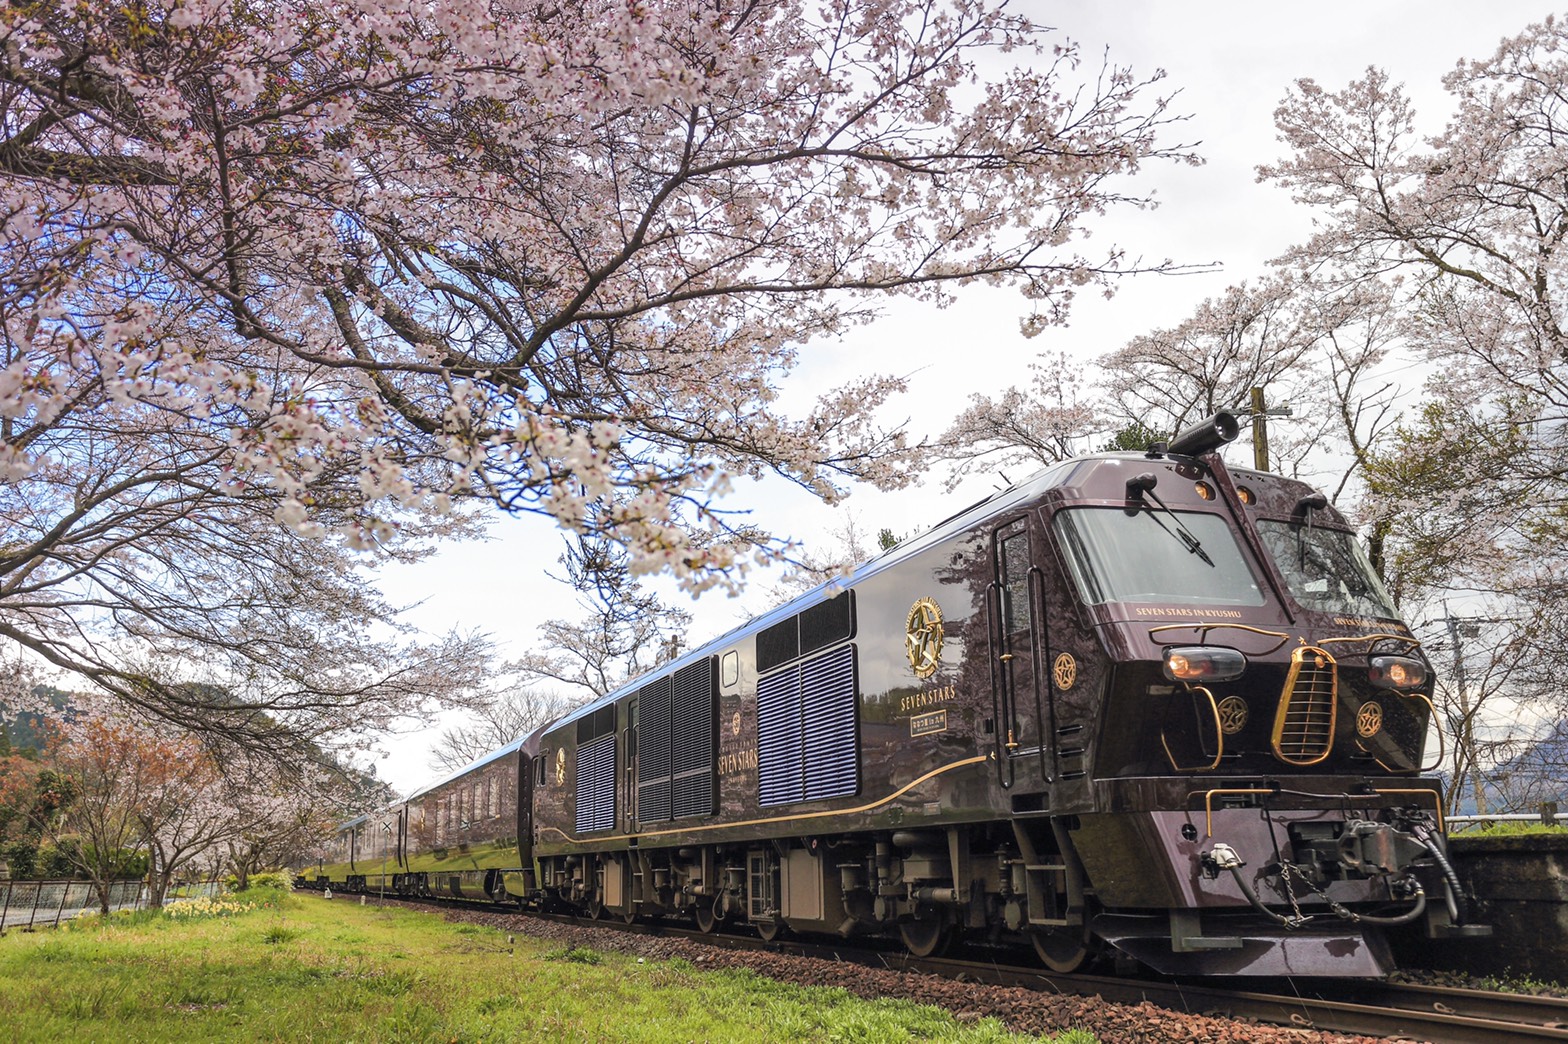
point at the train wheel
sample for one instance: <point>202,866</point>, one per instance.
<point>629,915</point>
<point>924,938</point>
<point>593,909</point>
<point>1063,950</point>
<point>707,914</point>
<point>770,930</point>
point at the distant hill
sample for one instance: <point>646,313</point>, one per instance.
<point>1539,772</point>
<point>26,731</point>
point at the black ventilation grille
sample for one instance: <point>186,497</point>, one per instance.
<point>676,732</point>
<point>693,717</point>
<point>824,624</point>
<point>807,743</point>
<point>827,623</point>
<point>778,644</point>
<point>780,766</point>
<point>653,750</point>
<point>600,723</point>
<point>596,785</point>
<point>829,704</point>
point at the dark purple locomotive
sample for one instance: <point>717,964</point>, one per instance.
<point>1137,704</point>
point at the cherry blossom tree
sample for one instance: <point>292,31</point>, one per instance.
<point>620,636</point>
<point>280,809</point>
<point>513,713</point>
<point>1250,336</point>
<point>361,258</point>
<point>1471,219</point>
<point>1056,417</point>
<point>183,809</point>
<point>105,762</point>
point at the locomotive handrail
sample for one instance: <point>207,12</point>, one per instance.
<point>1219,737</point>
<point>1436,722</point>
<point>1437,799</point>
<point>1208,803</point>
<point>1208,800</point>
<point>1042,668</point>
<point>993,627</point>
<point>1203,630</point>
<point>1378,636</point>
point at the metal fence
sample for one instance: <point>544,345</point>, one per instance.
<point>26,905</point>
<point>1547,815</point>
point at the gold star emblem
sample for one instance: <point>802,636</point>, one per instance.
<point>1369,720</point>
<point>1065,671</point>
<point>923,637</point>
<point>1233,715</point>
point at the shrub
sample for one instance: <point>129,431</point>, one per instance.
<point>22,855</point>
<point>278,879</point>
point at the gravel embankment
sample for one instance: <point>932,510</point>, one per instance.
<point>1020,1010</point>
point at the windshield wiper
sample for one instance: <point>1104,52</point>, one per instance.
<point>1142,485</point>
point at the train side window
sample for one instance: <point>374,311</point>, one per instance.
<point>1014,553</point>
<point>540,761</point>
<point>729,669</point>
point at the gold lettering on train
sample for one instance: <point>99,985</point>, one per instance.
<point>915,701</point>
<point>737,761</point>
<point>1202,614</point>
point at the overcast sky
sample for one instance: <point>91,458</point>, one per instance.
<point>1231,63</point>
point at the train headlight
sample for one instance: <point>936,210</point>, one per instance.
<point>1203,663</point>
<point>1396,672</point>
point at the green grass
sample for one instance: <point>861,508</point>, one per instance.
<point>297,968</point>
<point>1516,828</point>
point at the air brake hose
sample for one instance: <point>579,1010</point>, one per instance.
<point>1257,904</point>
<point>1436,845</point>
<point>1226,858</point>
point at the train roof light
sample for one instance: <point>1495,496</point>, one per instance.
<point>1207,435</point>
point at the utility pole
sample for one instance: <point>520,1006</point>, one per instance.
<point>1466,737</point>
<point>1259,416</point>
<point>1260,431</point>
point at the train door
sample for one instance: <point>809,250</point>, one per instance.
<point>1015,609</point>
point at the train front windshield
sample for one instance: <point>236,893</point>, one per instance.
<point>1143,557</point>
<point>1326,569</point>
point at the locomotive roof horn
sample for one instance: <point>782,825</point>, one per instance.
<point>1207,435</point>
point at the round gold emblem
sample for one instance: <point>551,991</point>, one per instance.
<point>1065,671</point>
<point>923,637</point>
<point>735,724</point>
<point>1369,720</point>
<point>1233,715</point>
<point>560,766</point>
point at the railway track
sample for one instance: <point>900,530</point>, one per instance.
<point>1438,1014</point>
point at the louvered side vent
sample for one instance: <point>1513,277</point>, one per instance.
<point>596,785</point>
<point>807,738</point>
<point>693,717</point>
<point>1304,722</point>
<point>653,751</point>
<point>779,762</point>
<point>828,706</point>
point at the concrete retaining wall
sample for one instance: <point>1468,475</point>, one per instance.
<point>1521,889</point>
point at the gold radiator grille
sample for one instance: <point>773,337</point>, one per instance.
<point>1304,723</point>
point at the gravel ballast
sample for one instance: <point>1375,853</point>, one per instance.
<point>1020,1010</point>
